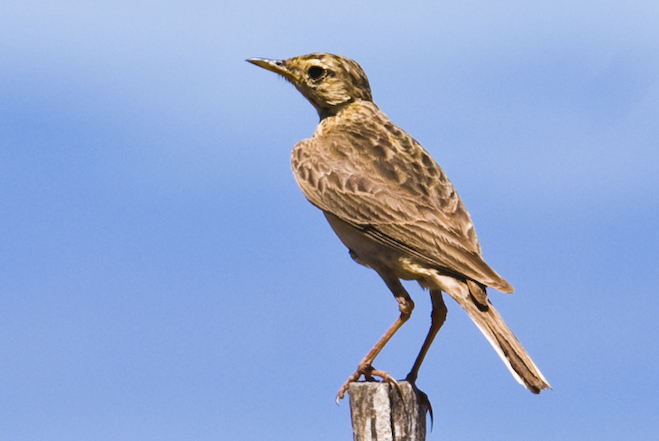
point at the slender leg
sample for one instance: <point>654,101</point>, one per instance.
<point>405,305</point>
<point>438,316</point>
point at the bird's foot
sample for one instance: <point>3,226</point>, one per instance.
<point>421,397</point>
<point>368,372</point>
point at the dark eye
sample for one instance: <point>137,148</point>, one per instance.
<point>316,73</point>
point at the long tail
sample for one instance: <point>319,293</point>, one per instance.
<point>496,331</point>
<point>507,346</point>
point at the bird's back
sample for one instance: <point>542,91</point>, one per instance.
<point>363,169</point>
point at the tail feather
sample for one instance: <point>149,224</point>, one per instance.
<point>506,344</point>
<point>488,320</point>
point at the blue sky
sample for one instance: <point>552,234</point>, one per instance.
<point>162,277</point>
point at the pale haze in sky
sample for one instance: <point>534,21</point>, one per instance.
<point>163,278</point>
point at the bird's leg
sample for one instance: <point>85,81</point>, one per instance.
<point>405,305</point>
<point>438,316</point>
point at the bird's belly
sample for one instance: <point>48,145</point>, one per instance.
<point>369,252</point>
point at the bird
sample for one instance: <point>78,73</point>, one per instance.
<point>395,210</point>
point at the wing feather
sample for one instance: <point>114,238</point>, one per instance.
<point>378,178</point>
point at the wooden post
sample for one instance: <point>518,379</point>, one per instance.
<point>379,413</point>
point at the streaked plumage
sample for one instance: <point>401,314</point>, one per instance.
<point>393,207</point>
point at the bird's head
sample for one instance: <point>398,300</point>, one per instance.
<point>328,81</point>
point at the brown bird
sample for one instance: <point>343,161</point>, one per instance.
<point>394,208</point>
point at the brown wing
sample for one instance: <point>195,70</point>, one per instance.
<point>378,178</point>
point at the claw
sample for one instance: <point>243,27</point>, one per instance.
<point>368,372</point>
<point>388,378</point>
<point>353,378</point>
<point>422,397</point>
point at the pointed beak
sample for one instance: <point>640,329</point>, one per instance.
<point>276,66</point>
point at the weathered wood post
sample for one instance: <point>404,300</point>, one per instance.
<point>379,412</point>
